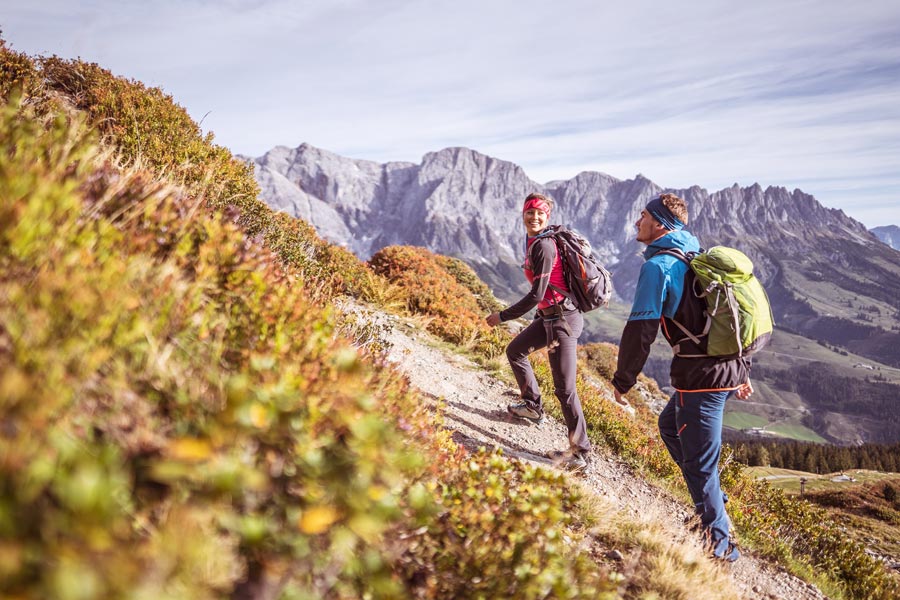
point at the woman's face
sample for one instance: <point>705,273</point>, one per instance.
<point>535,220</point>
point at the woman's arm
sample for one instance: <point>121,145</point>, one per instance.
<point>543,254</point>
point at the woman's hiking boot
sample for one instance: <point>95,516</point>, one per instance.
<point>572,461</point>
<point>523,411</point>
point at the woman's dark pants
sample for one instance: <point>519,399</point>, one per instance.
<point>562,364</point>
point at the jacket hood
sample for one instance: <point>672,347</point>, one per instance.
<point>681,240</point>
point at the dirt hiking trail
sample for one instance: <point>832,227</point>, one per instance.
<point>476,413</point>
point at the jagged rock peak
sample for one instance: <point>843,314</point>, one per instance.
<point>457,197</point>
<point>458,157</point>
<point>583,178</point>
<point>889,234</point>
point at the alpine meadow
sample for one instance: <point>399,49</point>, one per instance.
<point>189,409</point>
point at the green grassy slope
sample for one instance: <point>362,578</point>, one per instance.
<point>789,480</point>
<point>863,502</point>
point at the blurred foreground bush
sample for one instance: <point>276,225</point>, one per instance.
<point>179,418</point>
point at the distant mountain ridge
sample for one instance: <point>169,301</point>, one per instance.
<point>889,234</point>
<point>829,279</point>
<point>462,203</point>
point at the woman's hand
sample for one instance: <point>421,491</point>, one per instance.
<point>745,391</point>
<point>493,319</point>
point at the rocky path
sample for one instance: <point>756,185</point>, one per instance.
<point>476,412</point>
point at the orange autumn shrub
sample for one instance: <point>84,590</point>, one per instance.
<point>430,290</point>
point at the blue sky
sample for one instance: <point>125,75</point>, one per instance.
<point>795,93</point>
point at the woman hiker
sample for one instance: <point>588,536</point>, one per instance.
<point>556,326</point>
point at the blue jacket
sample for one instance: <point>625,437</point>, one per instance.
<point>663,295</point>
<point>661,283</point>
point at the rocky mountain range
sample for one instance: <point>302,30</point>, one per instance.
<point>829,279</point>
<point>889,234</point>
<point>465,204</point>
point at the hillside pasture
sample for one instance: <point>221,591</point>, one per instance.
<point>788,480</point>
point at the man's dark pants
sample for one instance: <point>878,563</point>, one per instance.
<point>562,364</point>
<point>691,427</point>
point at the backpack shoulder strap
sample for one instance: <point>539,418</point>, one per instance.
<point>677,253</point>
<point>551,234</point>
<point>686,258</point>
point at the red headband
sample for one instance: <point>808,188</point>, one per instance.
<point>538,203</point>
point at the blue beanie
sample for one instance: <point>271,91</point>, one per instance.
<point>662,214</point>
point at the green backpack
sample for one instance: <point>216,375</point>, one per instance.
<point>739,318</point>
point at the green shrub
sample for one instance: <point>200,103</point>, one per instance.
<point>17,72</point>
<point>334,270</point>
<point>147,125</point>
<point>466,277</point>
<point>505,530</point>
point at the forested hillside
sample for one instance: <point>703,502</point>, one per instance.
<point>814,458</point>
<point>833,395</point>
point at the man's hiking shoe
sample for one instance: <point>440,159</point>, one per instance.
<point>574,462</point>
<point>523,411</point>
<point>730,555</point>
<point>693,523</point>
<point>725,550</point>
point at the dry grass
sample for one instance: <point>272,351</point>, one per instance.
<point>657,561</point>
<point>381,292</point>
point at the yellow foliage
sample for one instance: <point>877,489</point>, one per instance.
<point>454,312</point>
<point>318,519</point>
<point>189,449</point>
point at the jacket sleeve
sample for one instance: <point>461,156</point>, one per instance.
<point>642,326</point>
<point>543,253</point>
<point>634,349</point>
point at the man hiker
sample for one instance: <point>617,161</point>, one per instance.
<point>691,423</point>
<point>557,325</point>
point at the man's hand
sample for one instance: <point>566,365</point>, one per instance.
<point>745,391</point>
<point>493,319</point>
<point>621,401</point>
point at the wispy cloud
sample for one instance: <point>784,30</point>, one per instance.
<point>798,93</point>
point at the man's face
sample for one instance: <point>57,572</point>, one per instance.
<point>649,229</point>
<point>535,220</point>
